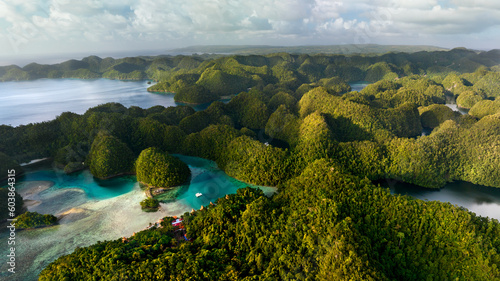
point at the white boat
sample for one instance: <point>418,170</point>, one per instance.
<point>198,194</point>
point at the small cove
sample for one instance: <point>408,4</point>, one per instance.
<point>482,200</point>
<point>103,210</point>
<point>91,210</point>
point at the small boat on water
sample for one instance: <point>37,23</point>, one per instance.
<point>198,194</point>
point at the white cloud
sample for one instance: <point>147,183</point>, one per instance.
<point>179,22</point>
<point>486,4</point>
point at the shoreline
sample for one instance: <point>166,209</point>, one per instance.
<point>34,161</point>
<point>79,78</point>
<point>114,176</point>
<point>31,189</point>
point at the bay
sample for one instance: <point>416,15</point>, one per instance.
<point>24,102</point>
<point>482,200</point>
<point>92,210</point>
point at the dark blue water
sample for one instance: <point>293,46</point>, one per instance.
<point>44,99</point>
<point>482,200</point>
<point>40,100</point>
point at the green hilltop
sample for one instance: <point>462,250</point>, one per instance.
<point>294,123</point>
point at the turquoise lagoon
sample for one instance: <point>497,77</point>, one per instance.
<point>91,210</point>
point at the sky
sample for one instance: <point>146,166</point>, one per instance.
<point>43,28</point>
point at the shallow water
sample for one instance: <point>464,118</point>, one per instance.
<point>94,210</point>
<point>452,103</point>
<point>210,181</point>
<point>359,85</point>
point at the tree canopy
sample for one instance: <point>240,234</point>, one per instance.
<point>294,123</point>
<point>159,169</point>
<point>109,157</point>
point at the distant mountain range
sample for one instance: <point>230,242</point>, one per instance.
<point>320,49</point>
<point>355,68</point>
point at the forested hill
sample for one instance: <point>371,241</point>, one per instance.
<point>162,67</point>
<point>320,49</point>
<point>299,127</point>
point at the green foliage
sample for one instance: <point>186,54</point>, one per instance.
<point>489,85</point>
<point>115,74</point>
<point>248,110</point>
<point>314,139</point>
<point>254,162</point>
<point>222,83</point>
<point>453,83</point>
<point>335,85</point>
<point>303,89</point>
<point>149,132</point>
<point>211,143</point>
<point>401,121</point>
<point>120,255</point>
<point>328,221</point>
<point>420,91</point>
<point>485,108</point>
<point>80,73</point>
<point>481,147</point>
<point>468,99</point>
<point>347,72</point>
<point>15,73</point>
<point>195,94</point>
<point>71,157</point>
<point>173,138</point>
<point>379,71</point>
<point>283,125</point>
<point>109,157</point>
<point>150,205</point>
<point>195,123</point>
<point>34,220</point>
<point>282,98</point>
<point>411,161</point>
<point>247,132</point>
<point>227,75</point>
<point>6,164</point>
<point>382,88</point>
<point>173,115</point>
<point>433,115</point>
<point>5,194</point>
<point>42,139</point>
<point>323,225</point>
<point>362,158</point>
<point>72,167</point>
<point>163,86</point>
<point>159,169</point>
<point>415,89</point>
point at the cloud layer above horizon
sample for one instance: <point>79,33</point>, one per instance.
<point>52,26</point>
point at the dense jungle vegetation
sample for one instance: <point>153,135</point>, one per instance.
<point>156,168</point>
<point>34,220</point>
<point>297,125</point>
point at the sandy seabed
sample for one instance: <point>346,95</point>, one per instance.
<point>82,223</point>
